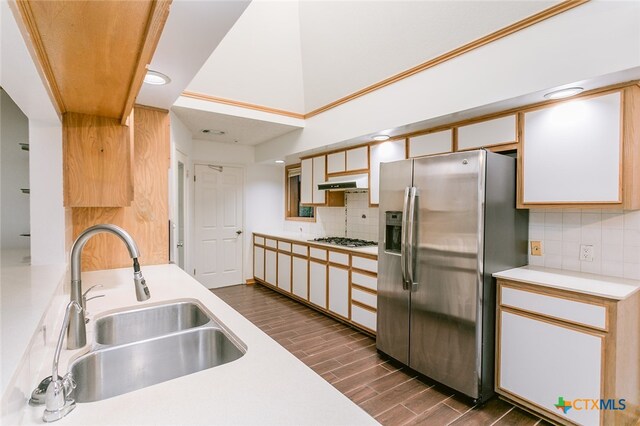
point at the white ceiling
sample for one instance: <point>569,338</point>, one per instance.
<point>298,56</point>
<point>240,130</point>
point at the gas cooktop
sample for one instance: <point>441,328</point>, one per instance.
<point>346,242</point>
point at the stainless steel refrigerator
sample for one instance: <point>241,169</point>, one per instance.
<point>447,222</point>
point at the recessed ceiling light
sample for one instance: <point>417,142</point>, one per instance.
<point>213,132</point>
<point>280,161</point>
<point>563,93</point>
<point>156,78</point>
<point>381,138</point>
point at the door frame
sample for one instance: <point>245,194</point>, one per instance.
<point>184,159</point>
<point>192,217</point>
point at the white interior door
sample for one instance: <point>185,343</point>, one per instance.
<point>218,225</point>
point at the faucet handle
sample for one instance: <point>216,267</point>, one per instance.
<point>85,299</point>
<point>84,296</point>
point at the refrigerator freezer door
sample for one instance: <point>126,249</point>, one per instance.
<point>393,300</point>
<point>445,332</point>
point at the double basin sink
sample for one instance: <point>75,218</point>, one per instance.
<point>141,347</point>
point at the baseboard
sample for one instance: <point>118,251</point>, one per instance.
<point>250,281</point>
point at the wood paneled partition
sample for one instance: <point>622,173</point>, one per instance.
<point>146,219</point>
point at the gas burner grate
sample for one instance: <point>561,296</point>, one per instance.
<point>346,242</point>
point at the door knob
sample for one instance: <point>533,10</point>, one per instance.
<point>238,232</point>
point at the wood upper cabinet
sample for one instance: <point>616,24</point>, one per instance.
<point>583,152</point>
<point>382,153</point>
<point>97,161</point>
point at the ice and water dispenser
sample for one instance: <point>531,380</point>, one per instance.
<point>393,232</point>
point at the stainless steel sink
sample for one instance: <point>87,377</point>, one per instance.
<point>144,323</point>
<point>115,370</point>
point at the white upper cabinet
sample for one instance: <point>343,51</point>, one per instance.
<point>319,176</point>
<point>358,159</point>
<point>572,152</point>
<point>431,143</point>
<point>306,181</point>
<point>336,162</point>
<point>382,153</point>
<point>498,131</point>
<point>312,172</point>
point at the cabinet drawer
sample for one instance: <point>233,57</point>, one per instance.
<point>569,310</point>
<point>302,250</point>
<point>258,240</point>
<point>284,246</point>
<point>364,280</point>
<point>364,297</point>
<point>317,253</point>
<point>271,243</point>
<point>341,258</point>
<point>364,317</point>
<point>364,263</point>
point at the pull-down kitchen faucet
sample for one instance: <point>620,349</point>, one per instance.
<point>77,332</point>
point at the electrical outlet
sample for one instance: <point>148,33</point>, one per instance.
<point>536,248</point>
<point>586,253</point>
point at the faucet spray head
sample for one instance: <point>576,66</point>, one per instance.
<point>142,291</point>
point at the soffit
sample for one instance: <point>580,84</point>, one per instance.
<point>240,130</point>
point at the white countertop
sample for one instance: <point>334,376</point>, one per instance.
<point>266,386</point>
<point>25,293</point>
<point>598,285</point>
<point>307,238</point>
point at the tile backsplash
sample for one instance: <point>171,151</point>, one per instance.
<point>614,235</point>
<point>355,220</point>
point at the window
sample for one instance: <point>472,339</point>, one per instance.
<point>293,209</point>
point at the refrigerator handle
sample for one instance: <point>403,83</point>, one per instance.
<point>403,236</point>
<point>411,259</point>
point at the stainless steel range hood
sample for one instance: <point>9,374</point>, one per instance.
<point>342,183</point>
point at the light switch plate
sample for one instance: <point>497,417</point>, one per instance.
<point>586,253</point>
<point>536,248</point>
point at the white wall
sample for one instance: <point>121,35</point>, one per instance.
<point>49,219</point>
<point>602,38</point>
<point>264,205</point>
<point>263,192</point>
<point>180,137</point>
<point>614,235</point>
<point>14,129</point>
<point>347,221</point>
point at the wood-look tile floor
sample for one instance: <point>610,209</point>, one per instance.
<point>346,358</point>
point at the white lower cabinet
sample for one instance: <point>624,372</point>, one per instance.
<point>300,277</point>
<point>541,361</point>
<point>284,272</point>
<point>270,266</point>
<point>258,262</point>
<point>318,283</point>
<point>343,284</point>
<point>339,291</point>
<point>568,348</point>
